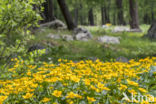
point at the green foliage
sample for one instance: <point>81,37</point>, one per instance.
<point>16,17</point>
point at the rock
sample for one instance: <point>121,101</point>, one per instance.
<point>56,24</point>
<point>122,59</point>
<point>135,30</point>
<point>120,29</point>
<point>36,47</point>
<point>109,39</point>
<point>64,37</point>
<point>54,36</point>
<point>82,34</point>
<point>67,37</point>
<point>105,26</point>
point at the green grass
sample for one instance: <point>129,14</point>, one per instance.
<point>132,45</point>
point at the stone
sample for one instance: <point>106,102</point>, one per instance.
<point>109,39</point>
<point>105,26</point>
<point>56,24</point>
<point>135,30</point>
<point>67,37</point>
<point>82,34</point>
<point>122,59</point>
<point>54,36</point>
<point>120,29</point>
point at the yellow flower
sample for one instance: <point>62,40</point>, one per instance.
<point>123,87</point>
<point>75,79</point>
<point>78,96</point>
<point>142,90</point>
<point>71,102</point>
<point>28,95</point>
<point>105,88</point>
<point>71,95</point>
<point>57,93</point>
<point>87,82</point>
<point>108,24</point>
<point>44,100</point>
<point>145,102</point>
<point>2,99</point>
<point>28,73</point>
<point>93,87</point>
<point>132,83</point>
<point>91,99</point>
<point>132,91</point>
<point>100,85</point>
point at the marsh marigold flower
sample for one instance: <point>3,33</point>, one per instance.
<point>123,87</point>
<point>28,95</point>
<point>73,95</point>
<point>132,83</point>
<point>45,100</point>
<point>91,99</point>
<point>2,99</point>
<point>57,93</point>
<point>142,90</point>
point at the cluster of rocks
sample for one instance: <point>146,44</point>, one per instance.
<point>80,34</point>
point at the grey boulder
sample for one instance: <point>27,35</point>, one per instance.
<point>109,39</point>
<point>120,29</point>
<point>82,34</point>
<point>56,24</point>
<point>54,36</point>
<point>67,37</point>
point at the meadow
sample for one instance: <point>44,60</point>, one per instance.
<point>84,82</point>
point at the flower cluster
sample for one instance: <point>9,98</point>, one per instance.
<point>83,82</point>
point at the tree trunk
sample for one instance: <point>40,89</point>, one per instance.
<point>103,15</point>
<point>76,16</point>
<point>91,17</point>
<point>134,19</point>
<point>152,11</point>
<point>152,31</point>
<point>147,19</point>
<point>120,12</point>
<point>50,10</point>
<point>108,11</point>
<point>107,20</point>
<point>66,14</point>
<point>114,19</point>
<point>45,12</point>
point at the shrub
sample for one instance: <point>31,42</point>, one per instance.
<point>16,17</point>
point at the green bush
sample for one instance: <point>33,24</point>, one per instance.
<point>16,18</point>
